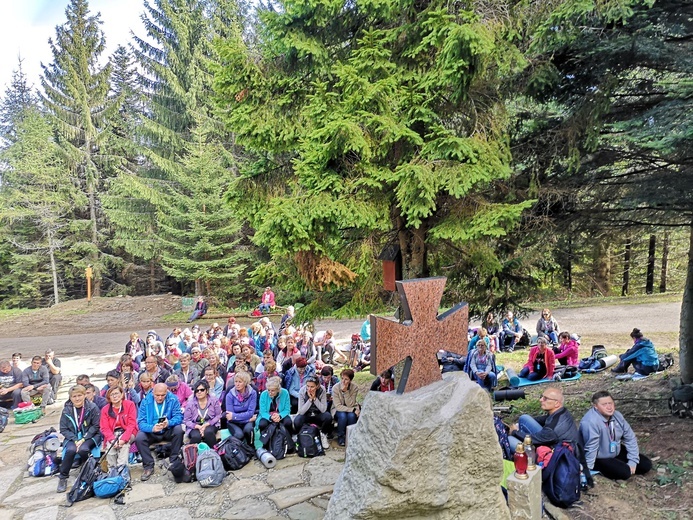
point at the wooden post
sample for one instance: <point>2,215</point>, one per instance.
<point>89,274</point>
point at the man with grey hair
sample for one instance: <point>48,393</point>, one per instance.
<point>10,385</point>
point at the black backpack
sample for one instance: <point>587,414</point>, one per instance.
<point>4,418</point>
<point>83,487</point>
<point>275,439</point>
<point>561,477</point>
<point>234,453</point>
<point>308,444</point>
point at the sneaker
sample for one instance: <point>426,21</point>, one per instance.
<point>341,442</point>
<point>62,485</point>
<point>618,370</point>
<point>146,474</point>
<point>325,441</point>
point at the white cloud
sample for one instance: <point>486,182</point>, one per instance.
<point>27,25</point>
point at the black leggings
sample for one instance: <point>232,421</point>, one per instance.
<point>617,468</point>
<point>69,455</point>
<point>209,437</point>
<point>322,421</point>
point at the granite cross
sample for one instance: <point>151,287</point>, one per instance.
<point>421,335</point>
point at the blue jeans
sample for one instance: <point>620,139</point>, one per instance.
<point>264,308</point>
<point>195,314</point>
<point>242,431</point>
<point>527,425</point>
<point>344,419</point>
<point>489,382</point>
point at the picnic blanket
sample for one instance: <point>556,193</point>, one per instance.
<point>526,382</point>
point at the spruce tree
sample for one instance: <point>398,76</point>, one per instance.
<point>19,95</point>
<point>75,94</point>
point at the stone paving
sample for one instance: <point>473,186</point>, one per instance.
<point>296,488</point>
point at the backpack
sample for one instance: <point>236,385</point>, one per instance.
<point>45,442</point>
<point>190,458</point>
<point>4,418</point>
<point>112,483</point>
<point>525,340</point>
<point>209,469</point>
<point>275,439</point>
<point>561,477</point>
<point>681,402</point>
<point>42,464</point>
<point>234,453</point>
<point>665,361</point>
<point>83,487</point>
<point>308,443</point>
<point>502,438</point>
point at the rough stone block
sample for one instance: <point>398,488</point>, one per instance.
<point>246,488</point>
<point>323,471</point>
<point>305,511</point>
<point>291,496</point>
<point>432,454</point>
<point>285,477</point>
<point>524,496</point>
<point>250,509</point>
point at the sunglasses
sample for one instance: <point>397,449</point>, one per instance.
<point>200,390</point>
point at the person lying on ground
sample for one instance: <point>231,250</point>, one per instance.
<point>450,362</point>
<point>555,427</point>
<point>642,355</point>
<point>566,353</point>
<point>610,444</point>
<point>159,419</point>
<point>80,428</point>
<point>541,362</point>
<point>202,416</point>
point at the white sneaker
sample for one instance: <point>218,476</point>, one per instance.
<point>325,441</point>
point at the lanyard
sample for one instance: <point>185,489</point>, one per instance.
<point>609,425</point>
<point>203,416</point>
<point>160,410</point>
<point>79,419</point>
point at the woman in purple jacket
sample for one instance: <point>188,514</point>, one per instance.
<point>202,415</point>
<point>241,403</point>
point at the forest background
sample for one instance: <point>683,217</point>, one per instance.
<point>524,149</point>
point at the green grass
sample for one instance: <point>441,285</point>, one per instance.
<point>13,313</point>
<point>574,302</point>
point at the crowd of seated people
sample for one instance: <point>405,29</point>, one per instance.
<point>194,383</point>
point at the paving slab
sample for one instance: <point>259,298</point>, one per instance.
<point>168,514</point>
<point>39,494</point>
<point>323,471</point>
<point>321,503</point>
<point>292,496</point>
<point>246,488</point>
<point>305,511</point>
<point>250,470</point>
<point>286,477</point>
<point>134,508</point>
<point>89,512</point>
<point>8,477</point>
<point>289,460</point>
<point>250,509</point>
<point>142,491</point>
<point>46,513</point>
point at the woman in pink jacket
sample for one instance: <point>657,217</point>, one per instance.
<point>567,350</point>
<point>541,362</point>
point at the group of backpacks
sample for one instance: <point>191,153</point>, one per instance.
<point>209,465</point>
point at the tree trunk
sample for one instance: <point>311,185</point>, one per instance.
<point>412,243</point>
<point>152,277</point>
<point>665,261</point>
<point>686,326</point>
<point>54,268</point>
<point>626,267</point>
<point>199,288</point>
<point>649,285</point>
<point>602,267</point>
<point>95,241</point>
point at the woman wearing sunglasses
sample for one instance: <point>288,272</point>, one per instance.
<point>547,327</point>
<point>202,415</point>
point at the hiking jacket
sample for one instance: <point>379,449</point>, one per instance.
<point>88,427</point>
<point>193,413</point>
<point>569,351</point>
<point>241,405</point>
<point>643,352</point>
<point>293,381</point>
<point>148,415</point>
<point>557,427</point>
<point>126,420</point>
<point>283,404</point>
<point>549,359</point>
<point>597,433</point>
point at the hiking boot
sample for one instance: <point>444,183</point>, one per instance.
<point>146,474</point>
<point>62,485</point>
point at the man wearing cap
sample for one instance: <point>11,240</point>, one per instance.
<point>159,419</point>
<point>53,365</point>
<point>295,379</point>
<point>10,385</point>
<point>36,381</point>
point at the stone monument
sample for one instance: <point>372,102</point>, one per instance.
<point>432,453</point>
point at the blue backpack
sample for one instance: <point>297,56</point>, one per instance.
<point>561,477</point>
<point>113,483</point>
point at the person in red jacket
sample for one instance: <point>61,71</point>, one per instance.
<point>118,421</point>
<point>541,362</point>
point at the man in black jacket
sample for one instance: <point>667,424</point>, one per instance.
<point>546,430</point>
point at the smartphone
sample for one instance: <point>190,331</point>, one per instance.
<point>127,377</point>
<point>161,419</point>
